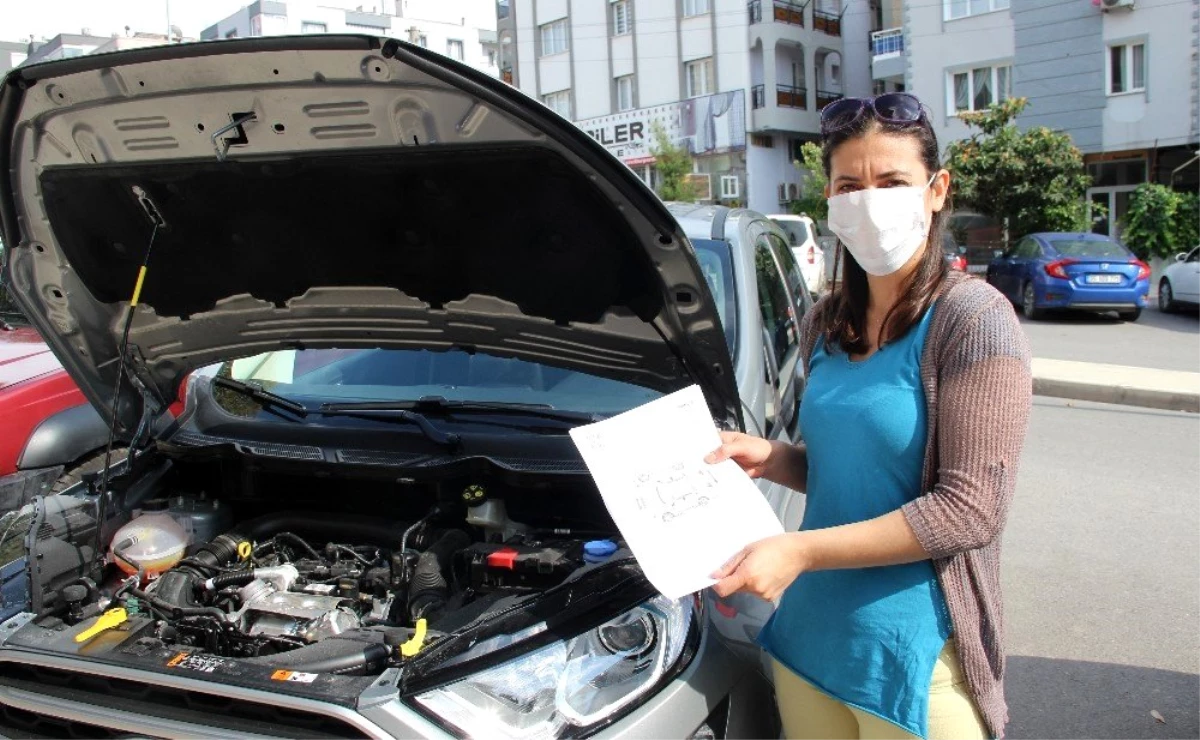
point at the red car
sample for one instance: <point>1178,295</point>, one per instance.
<point>49,430</point>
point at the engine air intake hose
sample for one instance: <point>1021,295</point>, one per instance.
<point>237,578</point>
<point>343,657</point>
<point>428,590</point>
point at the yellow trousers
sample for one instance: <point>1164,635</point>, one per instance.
<point>811,714</point>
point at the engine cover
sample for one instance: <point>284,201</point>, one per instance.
<point>311,617</point>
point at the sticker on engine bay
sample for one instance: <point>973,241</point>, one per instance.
<point>199,663</point>
<point>294,676</point>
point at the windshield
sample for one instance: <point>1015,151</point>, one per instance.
<point>797,231</point>
<point>315,376</point>
<point>716,262</point>
<point>1088,248</point>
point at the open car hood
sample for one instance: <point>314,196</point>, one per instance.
<point>332,191</point>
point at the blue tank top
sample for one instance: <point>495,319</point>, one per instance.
<point>868,637</point>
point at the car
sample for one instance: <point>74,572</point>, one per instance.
<point>369,518</point>
<point>1079,271</point>
<point>954,256</point>
<point>802,238</point>
<point>1180,282</point>
<point>52,436</point>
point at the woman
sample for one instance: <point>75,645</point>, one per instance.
<point>890,621</point>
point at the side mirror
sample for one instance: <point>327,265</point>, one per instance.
<point>1181,257</point>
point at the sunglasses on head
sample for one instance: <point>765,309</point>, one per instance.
<point>890,107</point>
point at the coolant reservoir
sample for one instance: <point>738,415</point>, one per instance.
<point>153,542</point>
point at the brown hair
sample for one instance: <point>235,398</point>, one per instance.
<point>845,314</point>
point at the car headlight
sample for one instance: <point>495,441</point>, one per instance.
<point>568,686</point>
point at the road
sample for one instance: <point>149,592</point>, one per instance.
<point>1101,574</point>
<point>1157,340</point>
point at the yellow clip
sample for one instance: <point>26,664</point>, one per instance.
<point>106,621</point>
<point>416,642</point>
<point>245,549</point>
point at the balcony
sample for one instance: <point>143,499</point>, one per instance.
<point>782,11</point>
<point>825,97</point>
<point>830,23</point>
<point>887,54</point>
<point>787,96</point>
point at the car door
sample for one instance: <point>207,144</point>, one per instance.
<point>1001,270</point>
<point>801,300</point>
<point>1187,285</point>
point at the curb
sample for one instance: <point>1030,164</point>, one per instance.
<point>1127,386</point>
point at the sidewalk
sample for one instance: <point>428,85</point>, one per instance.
<point>1170,390</point>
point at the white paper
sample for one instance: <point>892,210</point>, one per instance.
<point>682,517</point>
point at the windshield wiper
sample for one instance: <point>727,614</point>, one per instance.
<point>390,412</point>
<point>256,392</point>
<point>441,405</point>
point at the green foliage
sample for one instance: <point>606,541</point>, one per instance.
<point>1161,222</point>
<point>812,198</point>
<point>674,164</point>
<point>1034,180</point>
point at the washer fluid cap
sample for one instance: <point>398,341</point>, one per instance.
<point>597,551</point>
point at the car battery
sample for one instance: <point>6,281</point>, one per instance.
<point>488,566</point>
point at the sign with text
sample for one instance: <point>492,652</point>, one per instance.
<point>712,124</point>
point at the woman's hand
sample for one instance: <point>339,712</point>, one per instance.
<point>764,568</point>
<point>752,454</point>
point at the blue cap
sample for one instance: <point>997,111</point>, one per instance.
<point>597,550</point>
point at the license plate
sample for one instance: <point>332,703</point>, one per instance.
<point>1102,279</point>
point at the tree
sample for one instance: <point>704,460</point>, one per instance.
<point>674,164</point>
<point>1030,180</point>
<point>812,201</point>
<point>1160,222</point>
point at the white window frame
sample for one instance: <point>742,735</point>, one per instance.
<point>554,37</point>
<point>730,186</point>
<point>453,46</point>
<point>696,7</point>
<point>625,102</point>
<point>559,102</point>
<point>423,41</point>
<point>622,11</point>
<point>707,78</point>
<point>993,6</point>
<point>313,27</point>
<point>993,82</point>
<point>1127,57</point>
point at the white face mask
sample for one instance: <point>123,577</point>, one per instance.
<point>882,227</point>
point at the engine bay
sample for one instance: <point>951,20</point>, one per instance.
<point>258,565</point>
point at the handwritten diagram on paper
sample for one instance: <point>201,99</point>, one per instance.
<point>682,517</point>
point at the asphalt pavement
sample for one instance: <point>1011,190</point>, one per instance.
<point>1156,340</point>
<point>1101,572</point>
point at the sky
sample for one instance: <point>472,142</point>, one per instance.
<point>47,18</point>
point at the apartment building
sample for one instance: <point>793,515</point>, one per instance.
<point>739,84</point>
<point>1119,76</point>
<point>461,29</point>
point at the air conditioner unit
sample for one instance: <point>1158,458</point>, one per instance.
<point>702,184</point>
<point>793,191</point>
<point>782,191</point>
<point>1114,4</point>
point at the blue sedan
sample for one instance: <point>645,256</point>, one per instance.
<point>1087,272</point>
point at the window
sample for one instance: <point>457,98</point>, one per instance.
<point>559,102</point>
<point>554,37</point>
<point>695,7</point>
<point>795,277</point>
<point>763,140</point>
<point>835,74</point>
<point>313,27</point>
<point>625,93</point>
<point>228,34</point>
<point>954,9</point>
<point>699,77</point>
<point>491,57</point>
<point>423,41</point>
<point>454,49</point>
<point>976,89</point>
<point>730,186</point>
<point>622,17</point>
<point>1126,68</point>
<point>778,314</point>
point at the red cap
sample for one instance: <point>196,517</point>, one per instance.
<point>505,557</point>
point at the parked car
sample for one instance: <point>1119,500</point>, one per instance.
<point>1088,272</point>
<point>801,234</point>
<point>388,541</point>
<point>1180,282</point>
<point>954,255</point>
<point>51,435</point>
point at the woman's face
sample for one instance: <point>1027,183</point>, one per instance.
<point>881,160</point>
